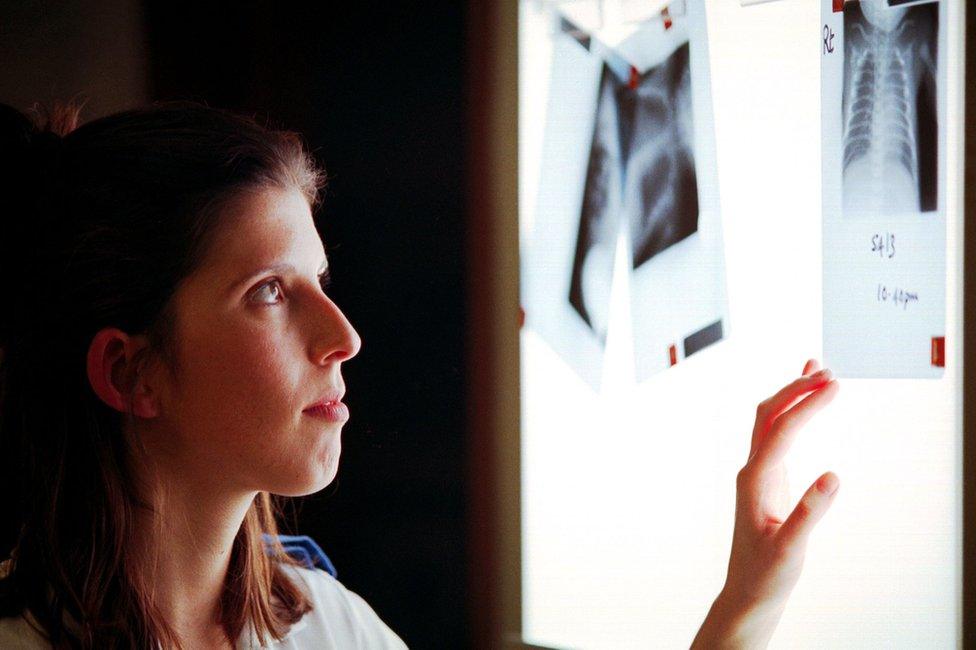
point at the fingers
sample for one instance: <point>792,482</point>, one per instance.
<point>811,508</point>
<point>770,409</point>
<point>778,440</point>
<point>811,367</point>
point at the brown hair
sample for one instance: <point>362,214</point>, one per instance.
<point>98,226</point>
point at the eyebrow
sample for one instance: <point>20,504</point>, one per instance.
<point>280,267</point>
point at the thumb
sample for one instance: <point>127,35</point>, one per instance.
<point>811,508</point>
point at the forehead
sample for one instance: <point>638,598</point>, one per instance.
<point>265,227</point>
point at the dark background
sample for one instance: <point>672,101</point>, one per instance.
<point>378,91</point>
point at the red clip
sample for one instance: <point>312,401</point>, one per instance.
<point>838,6</point>
<point>673,354</point>
<point>938,351</point>
<point>634,78</point>
<point>666,16</point>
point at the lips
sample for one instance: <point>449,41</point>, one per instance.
<point>330,408</point>
<point>329,398</point>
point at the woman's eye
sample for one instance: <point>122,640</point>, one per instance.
<point>272,288</point>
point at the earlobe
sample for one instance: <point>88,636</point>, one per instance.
<point>112,371</point>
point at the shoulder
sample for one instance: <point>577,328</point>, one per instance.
<point>339,615</point>
<point>17,634</point>
<point>340,619</point>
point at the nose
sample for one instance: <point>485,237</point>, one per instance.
<point>335,340</point>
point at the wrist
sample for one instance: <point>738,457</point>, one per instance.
<point>737,622</point>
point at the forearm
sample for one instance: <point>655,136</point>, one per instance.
<point>730,623</point>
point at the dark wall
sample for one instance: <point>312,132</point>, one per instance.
<point>91,50</point>
<point>378,92</point>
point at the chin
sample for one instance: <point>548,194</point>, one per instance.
<point>326,479</point>
<point>313,479</point>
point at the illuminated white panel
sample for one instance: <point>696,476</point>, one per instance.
<point>628,493</point>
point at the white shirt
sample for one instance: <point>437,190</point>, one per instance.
<point>340,620</point>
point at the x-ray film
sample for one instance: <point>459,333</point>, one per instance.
<point>548,254</point>
<point>884,226</point>
<point>628,151</point>
<point>678,294</point>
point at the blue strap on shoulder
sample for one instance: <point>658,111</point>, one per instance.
<point>304,549</point>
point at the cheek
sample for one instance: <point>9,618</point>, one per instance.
<point>240,417</point>
<point>239,390</point>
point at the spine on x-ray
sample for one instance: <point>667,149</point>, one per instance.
<point>886,52</point>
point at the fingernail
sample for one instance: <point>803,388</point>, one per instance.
<point>822,374</point>
<point>828,484</point>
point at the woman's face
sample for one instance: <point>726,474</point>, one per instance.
<point>258,342</point>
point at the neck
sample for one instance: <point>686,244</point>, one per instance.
<point>185,548</point>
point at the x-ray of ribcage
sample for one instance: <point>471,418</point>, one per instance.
<point>589,289</point>
<point>641,170</point>
<point>661,190</point>
<point>890,126</point>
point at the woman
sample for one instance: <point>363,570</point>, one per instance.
<point>171,361</point>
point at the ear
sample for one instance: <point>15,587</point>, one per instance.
<point>114,365</point>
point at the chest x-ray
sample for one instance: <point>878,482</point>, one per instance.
<point>641,170</point>
<point>661,192</point>
<point>890,125</point>
<point>883,188</point>
<point>629,154</point>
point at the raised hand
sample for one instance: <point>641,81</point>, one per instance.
<point>768,545</point>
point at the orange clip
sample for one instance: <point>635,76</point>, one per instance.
<point>938,351</point>
<point>673,354</point>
